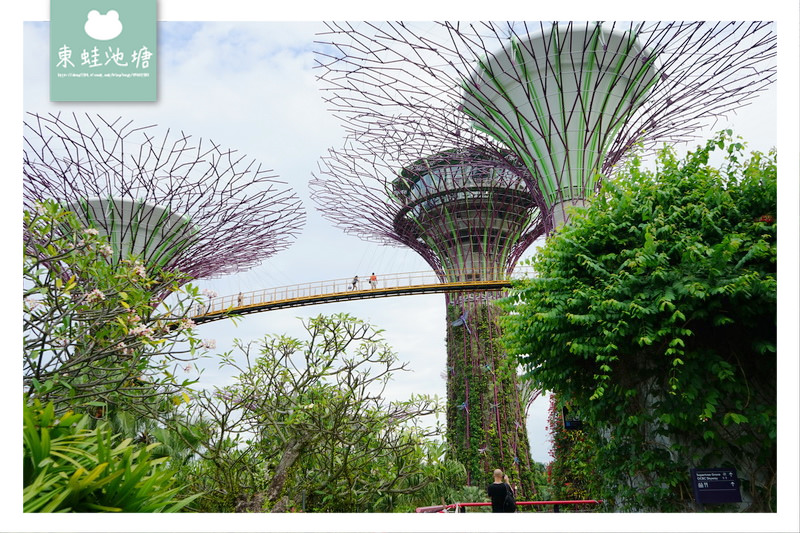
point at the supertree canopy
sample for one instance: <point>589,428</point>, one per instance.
<point>472,214</point>
<point>464,210</point>
<point>467,212</point>
<point>570,100</point>
<point>175,204</point>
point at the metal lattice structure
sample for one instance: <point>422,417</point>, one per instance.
<point>570,100</point>
<point>180,205</point>
<point>465,211</point>
<point>468,213</point>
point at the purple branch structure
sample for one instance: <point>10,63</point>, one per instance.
<point>569,99</point>
<point>468,141</point>
<point>172,202</point>
<point>466,211</point>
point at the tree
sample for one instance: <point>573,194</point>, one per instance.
<point>305,424</point>
<point>654,313</point>
<point>99,335</point>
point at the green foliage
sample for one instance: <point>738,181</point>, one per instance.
<point>71,468</point>
<point>471,493</point>
<point>571,475</point>
<point>99,334</point>
<point>438,482</point>
<point>305,426</point>
<point>541,482</point>
<point>654,311</point>
<point>485,416</point>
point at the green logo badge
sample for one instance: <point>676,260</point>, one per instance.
<point>103,50</point>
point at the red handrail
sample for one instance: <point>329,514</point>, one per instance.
<point>445,508</point>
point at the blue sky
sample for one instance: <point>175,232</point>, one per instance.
<point>251,87</point>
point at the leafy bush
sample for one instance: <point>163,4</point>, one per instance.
<point>305,425</point>
<point>71,468</point>
<point>654,313</point>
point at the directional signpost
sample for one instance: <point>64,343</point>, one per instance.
<point>715,485</point>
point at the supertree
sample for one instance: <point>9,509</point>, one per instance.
<point>166,210</point>
<point>569,99</point>
<point>468,213</point>
<point>175,203</point>
<point>564,101</point>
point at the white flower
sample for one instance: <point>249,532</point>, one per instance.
<point>139,269</point>
<point>91,231</point>
<point>209,344</point>
<point>106,251</point>
<point>124,349</point>
<point>95,296</point>
<point>142,331</point>
<point>209,293</point>
<point>31,303</point>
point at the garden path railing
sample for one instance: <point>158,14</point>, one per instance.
<point>462,507</point>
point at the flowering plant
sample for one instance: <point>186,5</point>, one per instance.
<point>98,334</point>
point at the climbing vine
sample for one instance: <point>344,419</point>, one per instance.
<point>485,419</point>
<point>570,474</point>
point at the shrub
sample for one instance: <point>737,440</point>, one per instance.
<point>71,468</point>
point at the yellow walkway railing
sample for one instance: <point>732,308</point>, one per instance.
<point>346,289</point>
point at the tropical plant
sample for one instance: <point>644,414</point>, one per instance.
<point>571,474</point>
<point>438,483</point>
<point>654,313</point>
<point>71,468</point>
<point>305,425</point>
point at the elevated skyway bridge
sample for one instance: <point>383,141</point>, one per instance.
<point>344,289</point>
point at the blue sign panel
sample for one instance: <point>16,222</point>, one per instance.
<point>716,485</point>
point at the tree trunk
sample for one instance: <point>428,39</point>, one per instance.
<point>293,450</point>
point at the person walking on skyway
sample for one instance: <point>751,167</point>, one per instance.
<point>373,281</point>
<point>355,284</point>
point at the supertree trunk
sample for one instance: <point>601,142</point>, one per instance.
<point>468,214</point>
<point>485,415</point>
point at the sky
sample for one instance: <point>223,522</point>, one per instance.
<point>250,86</point>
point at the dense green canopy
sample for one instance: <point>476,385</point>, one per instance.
<point>654,314</point>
